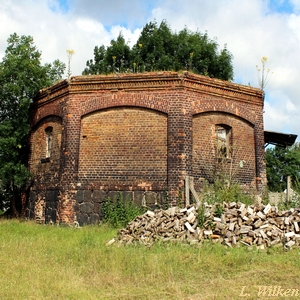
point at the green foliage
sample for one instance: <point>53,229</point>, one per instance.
<point>166,199</point>
<point>120,211</point>
<point>220,192</point>
<point>158,48</point>
<point>117,55</point>
<point>286,205</point>
<point>201,216</point>
<point>282,162</point>
<point>219,210</point>
<point>98,65</point>
<point>21,77</point>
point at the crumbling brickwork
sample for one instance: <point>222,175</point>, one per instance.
<point>206,163</point>
<point>40,162</point>
<point>140,134</point>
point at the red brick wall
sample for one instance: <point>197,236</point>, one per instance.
<point>43,204</point>
<point>46,171</point>
<point>241,166</point>
<point>141,134</point>
<point>124,147</point>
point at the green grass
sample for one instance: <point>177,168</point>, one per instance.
<point>50,262</point>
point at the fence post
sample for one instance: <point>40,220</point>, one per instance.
<point>288,189</point>
<point>189,186</point>
<point>187,190</point>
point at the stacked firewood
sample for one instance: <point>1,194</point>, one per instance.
<point>231,224</point>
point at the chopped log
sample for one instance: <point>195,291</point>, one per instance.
<point>208,232</point>
<point>258,225</point>
<point>296,226</point>
<point>289,234</point>
<point>267,209</point>
<point>189,227</point>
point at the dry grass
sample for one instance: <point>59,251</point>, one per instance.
<point>49,262</point>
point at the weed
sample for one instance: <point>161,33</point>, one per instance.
<point>219,209</point>
<point>220,192</point>
<point>121,211</point>
<point>201,216</point>
<point>166,198</point>
<point>293,203</point>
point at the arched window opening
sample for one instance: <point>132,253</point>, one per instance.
<point>48,131</point>
<point>223,137</point>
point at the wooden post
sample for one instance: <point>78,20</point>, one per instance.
<point>189,186</point>
<point>187,190</point>
<point>288,189</point>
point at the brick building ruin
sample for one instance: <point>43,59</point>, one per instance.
<point>139,134</point>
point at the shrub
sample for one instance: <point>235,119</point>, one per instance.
<point>293,203</point>
<point>201,215</point>
<point>220,192</point>
<point>121,211</point>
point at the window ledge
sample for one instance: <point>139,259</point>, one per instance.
<point>45,160</point>
<point>224,159</point>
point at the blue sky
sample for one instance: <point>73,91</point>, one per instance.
<point>274,6</point>
<point>279,6</point>
<point>63,6</point>
<point>250,28</point>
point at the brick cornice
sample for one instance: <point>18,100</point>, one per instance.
<point>56,91</point>
<point>224,89</point>
<point>151,81</point>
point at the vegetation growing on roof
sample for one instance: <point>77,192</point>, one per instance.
<point>160,49</point>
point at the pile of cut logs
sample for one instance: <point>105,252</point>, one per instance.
<point>231,224</point>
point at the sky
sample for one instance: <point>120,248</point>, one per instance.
<point>251,29</point>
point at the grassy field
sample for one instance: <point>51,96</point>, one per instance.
<point>50,262</point>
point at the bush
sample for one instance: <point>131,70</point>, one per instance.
<point>220,192</point>
<point>201,216</point>
<point>293,203</point>
<point>121,211</point>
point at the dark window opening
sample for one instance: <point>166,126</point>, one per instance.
<point>223,139</point>
<point>48,131</point>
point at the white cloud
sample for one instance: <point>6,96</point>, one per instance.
<point>281,114</point>
<point>296,4</point>
<point>249,28</point>
<point>251,31</point>
<point>55,32</point>
<point>130,13</point>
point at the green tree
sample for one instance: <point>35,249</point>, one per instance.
<point>96,65</point>
<point>114,58</point>
<point>154,49</point>
<point>283,162</point>
<point>117,55</point>
<point>158,48</point>
<point>21,76</point>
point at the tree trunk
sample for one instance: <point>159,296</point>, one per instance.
<point>13,206</point>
